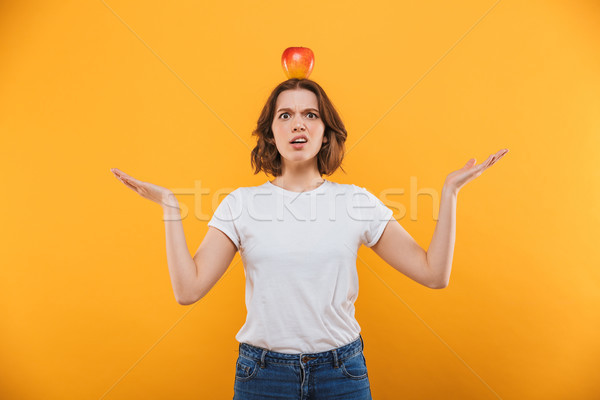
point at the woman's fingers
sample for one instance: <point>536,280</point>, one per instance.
<point>116,171</point>
<point>122,174</point>
<point>125,179</point>
<point>492,159</point>
<point>458,179</point>
<point>126,182</point>
<point>498,156</point>
<point>147,190</point>
<point>485,164</point>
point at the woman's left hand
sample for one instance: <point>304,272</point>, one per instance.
<point>458,179</point>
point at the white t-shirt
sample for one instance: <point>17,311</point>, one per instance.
<point>299,252</point>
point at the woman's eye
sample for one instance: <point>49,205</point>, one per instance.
<point>316,116</point>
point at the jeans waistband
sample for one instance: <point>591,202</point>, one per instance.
<point>330,356</point>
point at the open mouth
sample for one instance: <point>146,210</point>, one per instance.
<point>299,141</point>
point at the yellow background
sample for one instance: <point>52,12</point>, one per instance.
<point>169,93</point>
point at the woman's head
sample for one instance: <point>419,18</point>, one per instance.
<point>298,107</point>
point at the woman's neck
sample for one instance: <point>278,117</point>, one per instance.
<point>299,182</point>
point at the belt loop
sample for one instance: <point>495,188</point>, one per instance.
<point>361,341</point>
<point>335,358</point>
<point>262,358</point>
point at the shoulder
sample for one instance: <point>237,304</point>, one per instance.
<point>230,196</point>
<point>241,194</point>
<point>342,187</point>
<point>244,192</point>
<point>363,190</point>
<point>356,195</point>
<point>356,190</point>
<point>364,197</point>
<point>352,191</point>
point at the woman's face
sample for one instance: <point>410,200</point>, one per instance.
<point>297,114</point>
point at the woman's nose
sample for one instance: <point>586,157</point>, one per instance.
<point>298,126</point>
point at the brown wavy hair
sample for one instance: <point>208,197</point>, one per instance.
<point>265,156</point>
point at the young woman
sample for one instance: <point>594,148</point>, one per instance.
<point>298,236</point>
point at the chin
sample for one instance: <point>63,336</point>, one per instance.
<point>300,157</point>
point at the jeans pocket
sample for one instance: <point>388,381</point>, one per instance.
<point>355,367</point>
<point>245,368</point>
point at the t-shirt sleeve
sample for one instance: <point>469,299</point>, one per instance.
<point>226,217</point>
<point>375,216</point>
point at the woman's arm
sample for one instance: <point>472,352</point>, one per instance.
<point>431,268</point>
<point>441,248</point>
<point>182,268</point>
<point>193,278</point>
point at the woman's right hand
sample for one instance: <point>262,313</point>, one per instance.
<point>158,194</point>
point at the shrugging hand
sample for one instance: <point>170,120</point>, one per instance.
<point>470,171</point>
<point>158,194</point>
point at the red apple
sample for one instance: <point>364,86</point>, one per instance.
<point>297,62</point>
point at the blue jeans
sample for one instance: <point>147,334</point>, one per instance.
<point>340,373</point>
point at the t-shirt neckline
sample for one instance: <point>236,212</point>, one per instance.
<point>279,189</point>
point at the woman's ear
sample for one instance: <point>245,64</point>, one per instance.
<point>325,139</point>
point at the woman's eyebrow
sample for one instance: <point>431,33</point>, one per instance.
<point>289,109</point>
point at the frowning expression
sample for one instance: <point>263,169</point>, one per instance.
<point>297,115</point>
